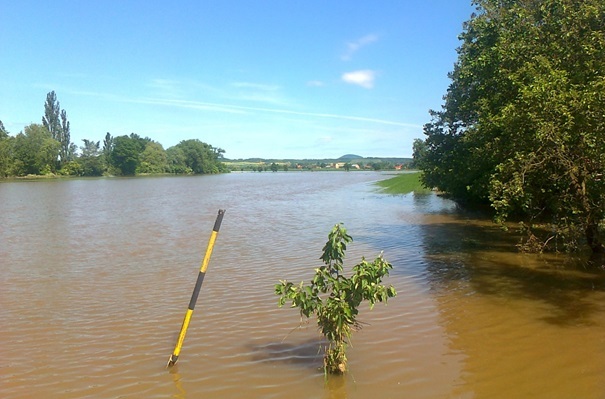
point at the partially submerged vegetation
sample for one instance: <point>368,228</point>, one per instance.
<point>334,299</point>
<point>522,126</point>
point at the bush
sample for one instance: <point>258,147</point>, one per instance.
<point>334,299</point>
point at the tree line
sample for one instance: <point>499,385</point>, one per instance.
<point>46,149</point>
<point>522,128</point>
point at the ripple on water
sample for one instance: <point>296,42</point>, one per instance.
<point>95,311</point>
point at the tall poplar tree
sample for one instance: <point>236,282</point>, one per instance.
<point>107,149</point>
<point>67,152</point>
<point>51,119</point>
<point>55,121</point>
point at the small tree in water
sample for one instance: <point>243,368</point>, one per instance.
<point>334,299</point>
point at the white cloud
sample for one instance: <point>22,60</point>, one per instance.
<point>364,78</point>
<point>353,47</point>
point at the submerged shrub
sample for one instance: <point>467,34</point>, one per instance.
<point>334,299</point>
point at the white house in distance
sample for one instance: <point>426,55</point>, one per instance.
<point>339,165</point>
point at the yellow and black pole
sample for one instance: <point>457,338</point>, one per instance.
<point>196,291</point>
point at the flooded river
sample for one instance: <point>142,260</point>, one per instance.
<point>96,276</point>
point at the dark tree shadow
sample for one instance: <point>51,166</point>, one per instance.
<point>454,245</point>
<point>308,354</point>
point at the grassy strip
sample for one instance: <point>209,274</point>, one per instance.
<point>403,184</point>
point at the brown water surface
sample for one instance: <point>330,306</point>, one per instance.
<point>96,276</point>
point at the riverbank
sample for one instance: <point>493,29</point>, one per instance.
<point>403,183</point>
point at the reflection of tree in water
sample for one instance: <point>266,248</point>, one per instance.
<point>523,323</point>
<point>336,387</point>
<point>479,253</point>
<point>307,354</point>
<point>454,246</point>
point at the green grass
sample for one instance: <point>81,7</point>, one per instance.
<point>403,184</point>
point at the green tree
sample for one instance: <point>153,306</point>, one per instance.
<point>55,121</point>
<point>523,121</point>
<point>107,149</point>
<point>91,158</point>
<point>72,168</point>
<point>67,151</point>
<point>334,299</point>
<point>3,132</point>
<point>153,159</point>
<point>177,162</point>
<point>141,141</point>
<point>35,151</point>
<point>51,119</point>
<point>274,167</point>
<point>6,152</point>
<point>125,155</point>
<point>201,158</point>
<point>418,153</point>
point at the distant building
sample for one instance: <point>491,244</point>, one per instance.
<point>339,165</point>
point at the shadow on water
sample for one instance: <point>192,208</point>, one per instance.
<point>486,258</point>
<point>449,245</point>
<point>307,354</point>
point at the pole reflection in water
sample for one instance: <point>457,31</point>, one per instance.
<point>178,386</point>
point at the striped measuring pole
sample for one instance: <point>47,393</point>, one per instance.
<point>196,291</point>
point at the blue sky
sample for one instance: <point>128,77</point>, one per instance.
<point>270,79</point>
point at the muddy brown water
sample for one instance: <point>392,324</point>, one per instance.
<point>96,276</point>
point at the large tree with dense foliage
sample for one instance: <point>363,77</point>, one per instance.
<point>90,159</point>
<point>35,151</point>
<point>127,152</point>
<point>199,157</point>
<point>523,124</point>
<point>6,160</point>
<point>124,155</point>
<point>153,159</point>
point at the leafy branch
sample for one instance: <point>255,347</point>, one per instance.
<point>334,299</point>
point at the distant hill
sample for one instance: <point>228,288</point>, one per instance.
<point>349,157</point>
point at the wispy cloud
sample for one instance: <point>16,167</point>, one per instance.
<point>166,87</point>
<point>256,86</point>
<point>353,47</point>
<point>258,93</point>
<point>364,78</point>
<point>216,107</point>
<point>207,106</point>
